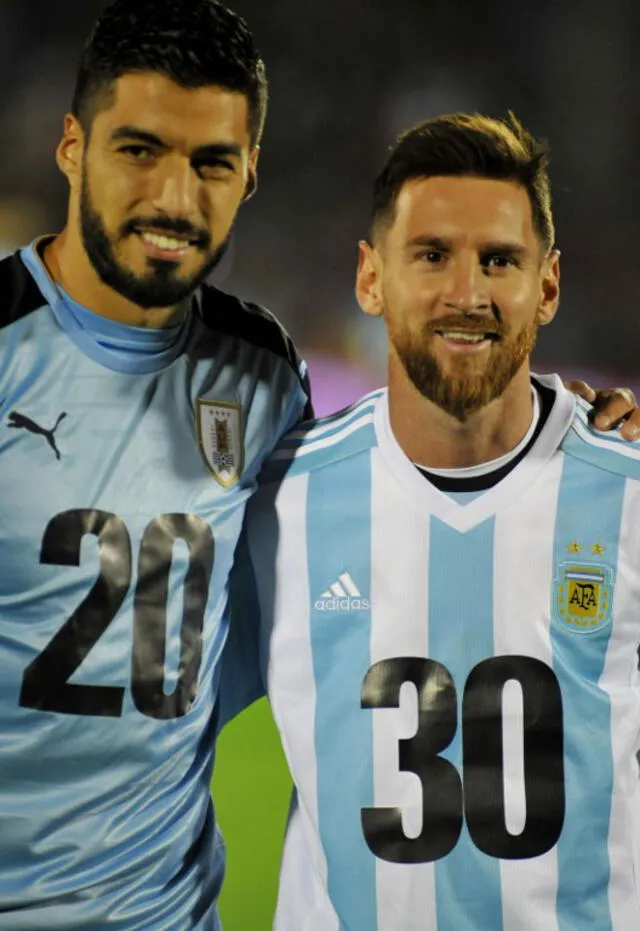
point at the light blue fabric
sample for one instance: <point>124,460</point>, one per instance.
<point>136,350</point>
<point>461,636</point>
<point>340,498</point>
<point>583,860</point>
<point>115,546</point>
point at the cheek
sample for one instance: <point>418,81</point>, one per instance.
<point>416,299</point>
<point>113,192</point>
<point>518,301</point>
<point>221,203</point>
<point>406,287</point>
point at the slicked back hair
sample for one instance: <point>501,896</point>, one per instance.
<point>195,43</point>
<point>468,145</point>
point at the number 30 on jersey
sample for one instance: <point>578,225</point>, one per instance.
<point>478,794</point>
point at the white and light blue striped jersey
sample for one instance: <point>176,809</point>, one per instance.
<point>126,459</point>
<point>455,681</point>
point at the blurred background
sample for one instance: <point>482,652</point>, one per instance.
<point>346,76</point>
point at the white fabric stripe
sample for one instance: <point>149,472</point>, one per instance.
<point>523,571</point>
<point>583,405</point>
<point>338,590</point>
<point>621,666</point>
<point>399,627</point>
<point>290,672</point>
<point>349,585</point>
<point>515,808</point>
<point>368,401</point>
<point>313,447</point>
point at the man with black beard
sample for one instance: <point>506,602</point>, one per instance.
<point>136,407</point>
<point>158,164</point>
<point>161,284</point>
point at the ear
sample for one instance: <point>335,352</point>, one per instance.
<point>369,279</point>
<point>70,149</point>
<point>549,288</point>
<point>252,174</point>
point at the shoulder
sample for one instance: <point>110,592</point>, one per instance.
<point>317,444</point>
<point>19,293</point>
<point>227,315</point>
<point>606,451</point>
<point>251,323</point>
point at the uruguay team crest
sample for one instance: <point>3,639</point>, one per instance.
<point>221,440</point>
<point>582,596</point>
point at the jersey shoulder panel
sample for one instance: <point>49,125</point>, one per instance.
<point>607,451</point>
<point>19,293</point>
<point>316,444</point>
<point>228,314</point>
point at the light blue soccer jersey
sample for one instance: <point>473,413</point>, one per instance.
<point>126,460</point>
<point>455,681</point>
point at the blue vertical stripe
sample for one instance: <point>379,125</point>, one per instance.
<point>339,540</point>
<point>589,512</point>
<point>467,881</point>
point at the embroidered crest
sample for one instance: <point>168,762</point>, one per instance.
<point>582,596</point>
<point>220,436</point>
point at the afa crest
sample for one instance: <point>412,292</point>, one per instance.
<point>220,435</point>
<point>582,596</point>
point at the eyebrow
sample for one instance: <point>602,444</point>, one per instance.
<point>211,150</point>
<point>432,242</point>
<point>446,245</point>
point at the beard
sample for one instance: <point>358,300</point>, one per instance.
<point>161,285</point>
<point>469,389</point>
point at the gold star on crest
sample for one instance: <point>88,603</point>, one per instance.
<point>598,549</point>
<point>574,547</point>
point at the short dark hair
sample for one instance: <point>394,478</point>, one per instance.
<point>195,43</point>
<point>468,144</point>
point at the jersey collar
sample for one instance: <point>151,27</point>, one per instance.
<point>117,346</point>
<point>463,516</point>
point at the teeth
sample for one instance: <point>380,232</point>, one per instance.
<point>464,337</point>
<point>165,242</point>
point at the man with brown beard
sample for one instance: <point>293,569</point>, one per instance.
<point>448,585</point>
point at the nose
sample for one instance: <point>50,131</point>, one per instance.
<point>467,286</point>
<point>176,187</point>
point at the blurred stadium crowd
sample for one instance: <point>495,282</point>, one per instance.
<point>346,76</point>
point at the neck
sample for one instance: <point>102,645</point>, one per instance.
<point>429,435</point>
<point>68,264</point>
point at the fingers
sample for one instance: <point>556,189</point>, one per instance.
<point>612,408</point>
<point>616,407</point>
<point>630,429</point>
<point>582,389</point>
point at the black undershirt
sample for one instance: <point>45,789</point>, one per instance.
<point>489,479</point>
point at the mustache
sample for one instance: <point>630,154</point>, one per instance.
<point>178,225</point>
<point>470,323</point>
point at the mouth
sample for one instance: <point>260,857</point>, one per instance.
<point>167,245</point>
<point>467,340</point>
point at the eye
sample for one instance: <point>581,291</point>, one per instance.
<point>137,153</point>
<point>431,256</point>
<point>214,167</point>
<point>499,260</point>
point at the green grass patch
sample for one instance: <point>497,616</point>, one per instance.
<point>252,789</point>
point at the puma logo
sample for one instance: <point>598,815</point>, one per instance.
<point>20,422</point>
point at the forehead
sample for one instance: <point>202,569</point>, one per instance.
<point>463,207</point>
<point>156,104</point>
